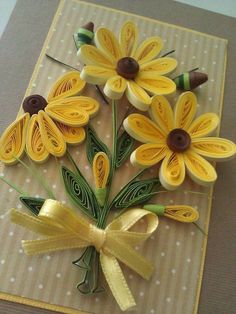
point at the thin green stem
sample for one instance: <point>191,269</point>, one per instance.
<point>14,187</point>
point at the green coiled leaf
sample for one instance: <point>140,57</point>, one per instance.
<point>125,145</point>
<point>34,204</point>
<point>80,192</point>
<point>135,193</point>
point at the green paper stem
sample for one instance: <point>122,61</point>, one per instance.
<point>13,186</point>
<point>157,209</point>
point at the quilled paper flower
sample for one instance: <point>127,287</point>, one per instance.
<point>46,126</point>
<point>124,68</point>
<point>179,141</point>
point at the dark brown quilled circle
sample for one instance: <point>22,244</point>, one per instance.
<point>34,103</point>
<point>178,140</point>
<point>127,67</point>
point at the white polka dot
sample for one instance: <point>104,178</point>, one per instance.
<point>19,206</point>
<point>182,62</point>
<point>47,47</point>
<point>185,46</point>
<point>12,279</point>
<point>185,192</point>
<point>196,40</point>
<point>20,251</point>
<point>54,30</point>
<point>2,217</point>
<point>36,195</point>
<point>167,227</point>
<point>86,167</point>
<point>193,57</point>
<point>165,40</point>
<point>68,293</point>
<point>212,80</point>
<point>97,299</point>
<point>203,69</point>
<point>74,9</point>
<point>141,294</point>
<point>177,243</point>
<point>69,52</point>
<point>214,62</point>
<point>152,238</point>
<point>188,260</point>
<point>45,170</point>
<point>63,202</point>
<point>60,14</point>
<point>54,186</point>
<point>27,180</point>
<point>49,77</point>
<point>41,65</point>
<point>62,40</point>
<point>83,19</point>
<point>61,161</point>
<point>98,122</point>
<point>67,24</point>
<point>216,46</point>
<point>184,288</point>
<point>210,98</point>
<point>168,299</point>
<point>152,311</point>
<point>131,276</point>
<point>176,35</point>
<point>48,257</point>
<point>40,286</point>
<point>33,85</point>
<point>196,207</point>
<point>30,268</point>
<point>198,105</point>
<point>77,152</point>
<point>205,51</point>
<point>58,275</point>
<point>1,174</point>
<point>192,233</point>
<point>173,271</point>
<point>171,201</point>
<point>11,233</point>
<point>3,261</point>
<point>163,254</point>
<point>158,282</point>
<point>108,135</point>
<point>10,190</point>
<point>136,247</point>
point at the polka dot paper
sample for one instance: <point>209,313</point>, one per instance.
<point>176,249</point>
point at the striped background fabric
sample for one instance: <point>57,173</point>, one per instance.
<point>177,250</point>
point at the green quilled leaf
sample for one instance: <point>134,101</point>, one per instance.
<point>125,145</point>
<point>80,192</point>
<point>94,145</point>
<point>135,193</point>
<point>34,204</point>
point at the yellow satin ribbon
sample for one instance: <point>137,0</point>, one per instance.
<point>64,229</point>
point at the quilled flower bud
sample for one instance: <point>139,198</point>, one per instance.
<point>84,35</point>
<point>190,80</point>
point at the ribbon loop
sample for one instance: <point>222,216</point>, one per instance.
<point>64,229</point>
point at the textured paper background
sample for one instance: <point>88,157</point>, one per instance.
<point>176,240</point>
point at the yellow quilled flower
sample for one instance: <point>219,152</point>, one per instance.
<point>45,127</point>
<point>179,141</point>
<point>124,68</point>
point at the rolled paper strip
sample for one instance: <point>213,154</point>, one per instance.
<point>63,229</point>
<point>96,74</point>
<point>72,135</point>
<point>115,87</point>
<point>34,145</point>
<point>69,114</point>
<point>155,84</point>
<point>205,124</point>
<point>101,169</point>
<point>182,213</point>
<point>155,208</point>
<point>148,50</point>
<point>67,85</point>
<point>51,136</point>
<point>128,38</point>
<point>12,141</point>
<point>178,140</point>
<point>137,96</point>
<point>92,56</point>
<point>127,67</point>
<point>101,195</point>
<point>190,80</point>
<point>185,110</point>
<point>84,35</point>
<point>160,66</point>
<point>33,104</point>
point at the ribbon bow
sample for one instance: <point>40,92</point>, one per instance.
<point>64,229</point>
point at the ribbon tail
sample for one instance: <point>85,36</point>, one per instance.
<point>52,243</point>
<point>116,281</point>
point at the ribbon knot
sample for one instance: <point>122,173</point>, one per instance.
<point>97,236</point>
<point>64,229</point>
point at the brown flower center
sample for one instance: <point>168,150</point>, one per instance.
<point>178,140</point>
<point>127,67</point>
<point>33,104</point>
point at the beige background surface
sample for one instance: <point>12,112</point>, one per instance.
<point>212,305</point>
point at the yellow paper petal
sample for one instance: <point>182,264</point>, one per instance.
<point>34,145</point>
<point>51,136</point>
<point>67,112</point>
<point>148,155</point>
<point>96,75</point>
<point>160,66</point>
<point>148,50</point>
<point>72,135</point>
<point>185,110</point>
<point>143,129</point>
<point>214,148</point>
<point>137,96</point>
<point>182,213</point>
<point>128,38</point>
<point>115,87</point>
<point>101,168</point>
<point>68,85</point>
<point>203,125</point>
<point>12,142</point>
<point>107,42</point>
<point>162,113</point>
<point>172,171</point>
<point>199,170</point>
<point>91,55</point>
<point>154,84</point>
